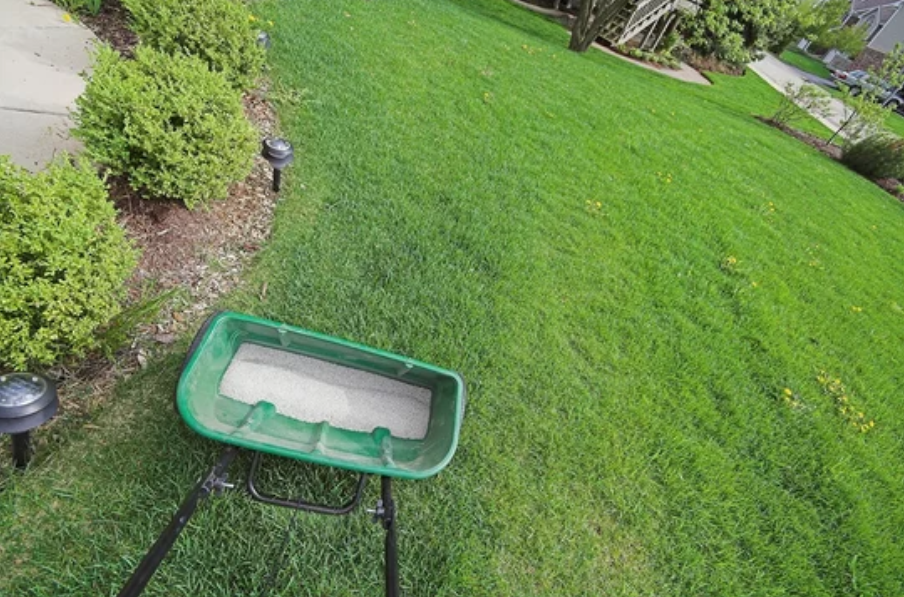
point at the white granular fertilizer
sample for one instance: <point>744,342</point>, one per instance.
<point>312,390</point>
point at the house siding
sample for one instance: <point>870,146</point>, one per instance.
<point>890,35</point>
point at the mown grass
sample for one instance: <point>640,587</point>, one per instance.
<point>628,270</point>
<point>806,63</point>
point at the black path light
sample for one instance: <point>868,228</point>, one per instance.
<point>280,154</point>
<point>26,401</point>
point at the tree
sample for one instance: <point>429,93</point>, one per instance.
<point>848,39</point>
<point>736,31</point>
<point>865,110</point>
<point>593,15</point>
<point>821,23</point>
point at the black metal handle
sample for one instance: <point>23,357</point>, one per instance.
<point>165,541</point>
<point>346,508</point>
<point>390,545</point>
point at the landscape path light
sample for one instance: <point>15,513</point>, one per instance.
<point>27,401</point>
<point>280,154</point>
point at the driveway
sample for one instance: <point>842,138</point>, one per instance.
<point>778,75</point>
<point>42,52</point>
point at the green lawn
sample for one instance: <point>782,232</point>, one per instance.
<point>628,270</point>
<point>806,63</point>
<point>895,123</point>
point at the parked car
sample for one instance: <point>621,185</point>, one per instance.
<point>858,81</point>
<point>847,78</point>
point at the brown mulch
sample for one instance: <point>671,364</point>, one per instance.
<point>891,185</point>
<point>111,25</point>
<point>199,254</point>
<point>710,64</point>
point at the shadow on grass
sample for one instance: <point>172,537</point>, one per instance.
<point>522,19</point>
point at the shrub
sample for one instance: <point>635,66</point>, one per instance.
<point>63,262</point>
<point>877,156</point>
<point>799,101</point>
<point>169,123</point>
<point>736,31</point>
<point>220,32</point>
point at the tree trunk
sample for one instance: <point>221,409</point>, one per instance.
<point>592,17</point>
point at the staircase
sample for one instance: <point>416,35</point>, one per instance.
<point>635,17</point>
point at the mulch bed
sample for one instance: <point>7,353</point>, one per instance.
<point>890,185</point>
<point>111,25</point>
<point>201,254</point>
<point>710,64</point>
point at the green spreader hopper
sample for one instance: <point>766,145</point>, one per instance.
<point>282,390</point>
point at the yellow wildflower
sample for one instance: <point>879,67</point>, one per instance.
<point>67,17</point>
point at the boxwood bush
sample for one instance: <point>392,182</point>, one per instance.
<point>63,262</point>
<point>176,129</point>
<point>223,33</point>
<point>880,155</point>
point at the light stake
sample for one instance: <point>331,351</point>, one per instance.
<point>280,154</point>
<point>26,402</point>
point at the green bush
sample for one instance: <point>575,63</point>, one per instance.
<point>220,32</point>
<point>878,156</point>
<point>174,127</point>
<point>63,262</point>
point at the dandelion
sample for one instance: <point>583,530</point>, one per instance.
<point>270,23</point>
<point>856,309</point>
<point>598,204</point>
<point>754,284</point>
<point>252,18</point>
<point>67,17</point>
<point>788,392</point>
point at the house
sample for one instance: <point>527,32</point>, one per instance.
<point>884,20</point>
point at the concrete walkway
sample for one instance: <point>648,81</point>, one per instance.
<point>41,56</point>
<point>778,74</point>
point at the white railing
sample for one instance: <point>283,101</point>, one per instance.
<point>646,13</point>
